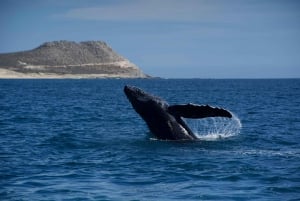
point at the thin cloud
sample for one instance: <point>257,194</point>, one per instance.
<point>167,10</point>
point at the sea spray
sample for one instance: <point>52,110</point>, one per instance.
<point>214,128</point>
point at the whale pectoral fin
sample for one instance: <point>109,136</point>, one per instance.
<point>198,111</point>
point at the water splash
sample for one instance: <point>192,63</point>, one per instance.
<point>215,128</point>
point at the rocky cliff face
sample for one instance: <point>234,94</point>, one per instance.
<point>68,59</point>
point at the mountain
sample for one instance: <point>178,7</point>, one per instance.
<point>66,59</point>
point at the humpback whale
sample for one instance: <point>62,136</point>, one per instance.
<point>164,120</point>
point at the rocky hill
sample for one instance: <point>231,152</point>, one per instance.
<point>65,59</point>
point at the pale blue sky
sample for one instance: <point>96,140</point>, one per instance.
<point>168,38</point>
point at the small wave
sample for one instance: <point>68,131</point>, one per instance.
<point>270,153</point>
<point>215,128</point>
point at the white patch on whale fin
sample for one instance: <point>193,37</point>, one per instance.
<point>214,128</point>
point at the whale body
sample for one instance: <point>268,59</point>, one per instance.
<point>164,120</point>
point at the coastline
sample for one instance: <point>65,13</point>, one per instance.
<point>68,59</point>
<point>9,74</point>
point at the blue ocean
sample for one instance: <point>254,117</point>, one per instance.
<point>82,140</point>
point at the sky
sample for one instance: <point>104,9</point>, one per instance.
<point>168,38</point>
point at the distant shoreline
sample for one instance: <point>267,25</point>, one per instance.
<point>68,59</point>
<point>9,74</point>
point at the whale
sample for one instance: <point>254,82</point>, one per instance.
<point>165,121</point>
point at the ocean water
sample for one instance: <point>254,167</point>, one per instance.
<point>81,140</point>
